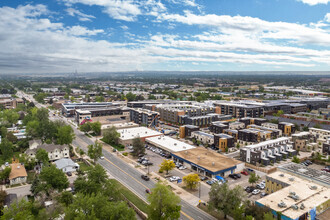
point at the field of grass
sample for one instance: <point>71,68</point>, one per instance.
<point>83,167</point>
<point>139,203</point>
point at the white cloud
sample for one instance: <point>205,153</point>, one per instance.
<point>81,16</point>
<point>327,17</point>
<point>124,27</point>
<point>314,2</point>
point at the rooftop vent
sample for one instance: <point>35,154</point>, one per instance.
<point>291,179</point>
<point>281,175</point>
<point>213,163</point>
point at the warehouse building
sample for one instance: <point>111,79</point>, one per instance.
<point>207,162</point>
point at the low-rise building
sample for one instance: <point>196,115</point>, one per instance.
<point>203,137</point>
<point>207,162</point>
<point>17,174</point>
<point>224,142</point>
<point>287,128</point>
<point>321,135</point>
<point>55,152</point>
<point>127,135</point>
<point>66,165</point>
<point>186,130</point>
<point>218,127</point>
<point>168,144</point>
<point>297,192</point>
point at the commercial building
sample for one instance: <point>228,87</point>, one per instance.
<point>144,117</point>
<point>168,144</point>
<point>268,151</point>
<point>297,192</point>
<point>207,162</point>
<point>224,142</point>
<point>10,103</point>
<point>69,109</point>
<point>127,135</point>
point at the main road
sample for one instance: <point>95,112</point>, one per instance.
<point>123,172</point>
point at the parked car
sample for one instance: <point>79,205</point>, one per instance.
<point>237,175</point>
<point>182,168</point>
<point>260,186</point>
<point>309,162</point>
<point>263,194</point>
<point>145,177</point>
<point>174,178</point>
<point>69,173</point>
<point>233,176</point>
<point>102,157</point>
<point>245,173</point>
<point>256,191</point>
<point>249,189</point>
<point>203,178</point>
<point>148,191</point>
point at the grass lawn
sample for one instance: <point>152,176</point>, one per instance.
<point>83,167</point>
<point>119,147</point>
<point>139,203</point>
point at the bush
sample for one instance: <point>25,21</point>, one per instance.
<point>160,171</point>
<point>125,153</point>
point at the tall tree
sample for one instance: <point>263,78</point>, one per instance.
<point>65,135</point>
<point>96,127</point>
<point>111,136</point>
<point>191,180</point>
<point>224,199</point>
<point>253,178</point>
<point>167,165</point>
<point>54,177</point>
<point>42,156</point>
<point>95,151</point>
<point>138,146</point>
<point>86,127</point>
<point>164,204</point>
<point>6,148</point>
<point>4,174</point>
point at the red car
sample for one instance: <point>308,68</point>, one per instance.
<point>244,173</point>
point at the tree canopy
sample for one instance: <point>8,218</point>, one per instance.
<point>167,165</point>
<point>191,180</point>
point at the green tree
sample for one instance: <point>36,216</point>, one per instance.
<point>66,96</point>
<point>130,97</point>
<point>42,156</point>
<point>65,135</point>
<point>224,199</point>
<point>99,99</point>
<point>5,173</point>
<point>18,210</point>
<point>138,146</point>
<point>65,198</point>
<point>32,129</point>
<point>97,206</point>
<point>253,178</point>
<point>295,159</point>
<point>11,137</point>
<point>96,127</point>
<point>86,127</point>
<point>11,116</point>
<point>164,204</point>
<point>54,177</point>
<point>6,148</point>
<point>95,151</point>
<point>167,165</point>
<point>191,180</point>
<point>268,216</point>
<point>111,136</point>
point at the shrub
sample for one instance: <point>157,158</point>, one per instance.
<point>125,153</point>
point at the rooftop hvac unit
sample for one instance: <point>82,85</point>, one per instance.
<point>213,163</point>
<point>291,179</point>
<point>281,175</point>
<point>175,144</point>
<point>198,157</point>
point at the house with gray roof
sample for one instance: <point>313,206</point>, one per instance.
<point>55,152</point>
<point>66,165</point>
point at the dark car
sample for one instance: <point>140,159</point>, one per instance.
<point>249,189</point>
<point>148,191</point>
<point>237,175</point>
<point>69,173</point>
<point>263,194</point>
<point>233,176</point>
<point>145,177</point>
<point>210,182</point>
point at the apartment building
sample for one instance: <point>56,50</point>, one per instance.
<point>224,142</point>
<point>218,127</point>
<point>231,132</point>
<point>320,134</point>
<point>267,152</point>
<point>287,128</point>
<point>275,133</point>
<point>203,137</point>
<point>301,140</point>
<point>326,148</point>
<point>186,130</point>
<point>236,125</point>
<point>144,117</point>
<point>248,121</point>
<point>204,120</point>
<point>238,110</point>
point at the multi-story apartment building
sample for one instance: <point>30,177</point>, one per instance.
<point>275,133</point>
<point>224,142</point>
<point>204,120</point>
<point>287,128</point>
<point>144,117</point>
<point>186,130</point>
<point>248,121</point>
<point>320,134</point>
<point>203,137</point>
<point>236,125</point>
<point>231,132</point>
<point>253,135</point>
<point>238,110</point>
<point>326,148</point>
<point>218,127</point>
<point>268,151</point>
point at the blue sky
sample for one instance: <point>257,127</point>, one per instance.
<point>188,35</point>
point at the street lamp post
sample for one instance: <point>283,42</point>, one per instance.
<point>199,191</point>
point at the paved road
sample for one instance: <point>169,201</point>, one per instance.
<point>128,175</point>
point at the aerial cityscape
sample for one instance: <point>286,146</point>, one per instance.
<point>165,109</point>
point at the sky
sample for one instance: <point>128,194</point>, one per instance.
<point>57,36</point>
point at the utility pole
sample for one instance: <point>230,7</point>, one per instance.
<point>199,191</point>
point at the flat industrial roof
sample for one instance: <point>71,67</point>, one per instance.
<point>169,144</point>
<point>131,133</point>
<point>311,198</point>
<point>207,159</point>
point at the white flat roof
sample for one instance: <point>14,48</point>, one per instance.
<point>131,133</point>
<point>169,144</point>
<point>275,141</point>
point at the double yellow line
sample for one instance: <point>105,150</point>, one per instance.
<point>182,212</point>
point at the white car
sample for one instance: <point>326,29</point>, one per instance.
<point>256,191</point>
<point>182,168</point>
<point>174,178</point>
<point>102,158</point>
